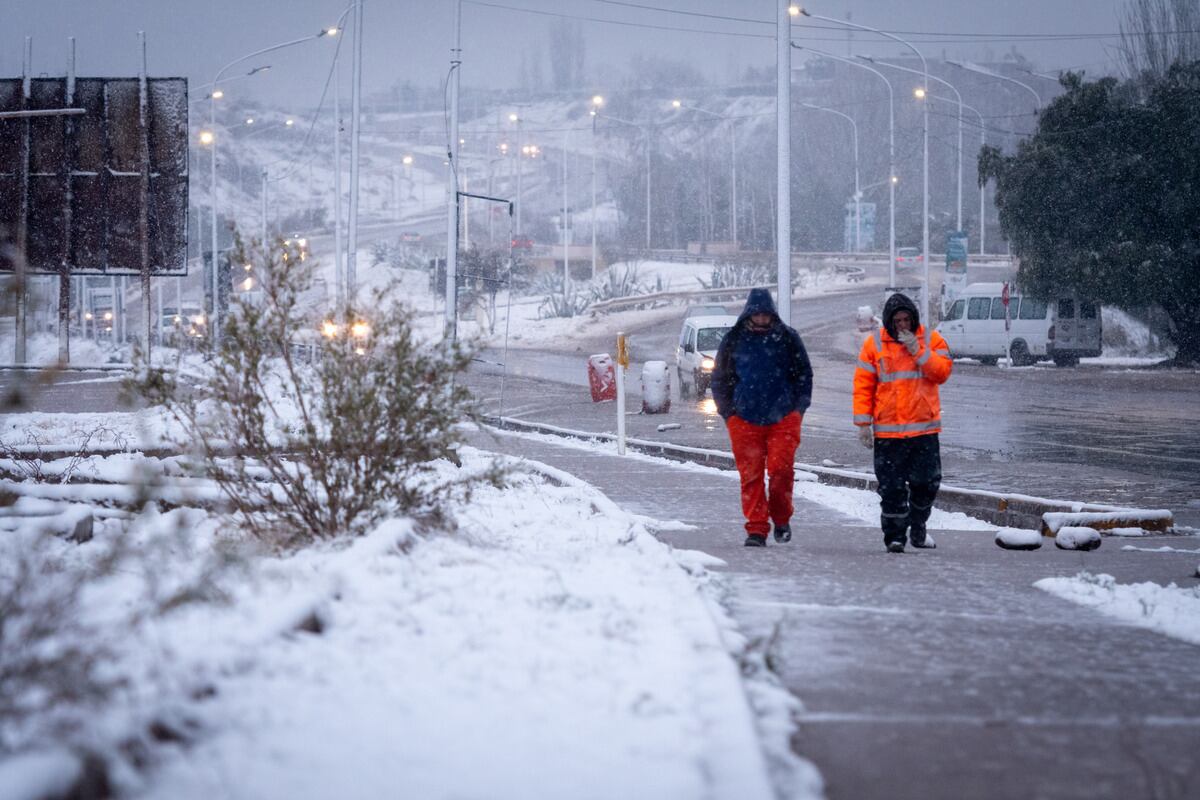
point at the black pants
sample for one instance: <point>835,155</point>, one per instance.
<point>909,472</point>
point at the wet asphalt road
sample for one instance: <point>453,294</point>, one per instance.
<point>1105,435</point>
<point>938,674</point>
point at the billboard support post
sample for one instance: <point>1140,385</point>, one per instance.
<point>144,214</point>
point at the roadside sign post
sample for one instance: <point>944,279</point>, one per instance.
<point>622,365</point>
<point>1007,323</point>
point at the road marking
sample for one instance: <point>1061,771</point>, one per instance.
<point>1107,721</point>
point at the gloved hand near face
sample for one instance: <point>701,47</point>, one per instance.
<point>910,341</point>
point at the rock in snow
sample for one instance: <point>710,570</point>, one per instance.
<point>1018,539</point>
<point>1077,538</point>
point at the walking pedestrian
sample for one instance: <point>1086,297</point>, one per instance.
<point>899,414</point>
<point>762,385</point>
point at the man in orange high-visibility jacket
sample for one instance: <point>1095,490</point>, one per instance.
<point>897,411</point>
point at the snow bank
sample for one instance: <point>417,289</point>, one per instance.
<point>552,648</point>
<point>1169,610</point>
<point>1155,520</point>
<point>1077,539</point>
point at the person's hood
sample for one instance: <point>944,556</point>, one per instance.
<point>759,302</point>
<point>895,303</point>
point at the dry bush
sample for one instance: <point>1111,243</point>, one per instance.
<point>312,436</point>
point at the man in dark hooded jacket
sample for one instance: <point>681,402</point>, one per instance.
<point>762,385</point>
<point>899,413</point>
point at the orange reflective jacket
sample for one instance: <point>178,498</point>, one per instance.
<point>896,391</point>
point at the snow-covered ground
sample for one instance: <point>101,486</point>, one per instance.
<point>550,647</point>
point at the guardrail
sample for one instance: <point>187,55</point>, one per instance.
<point>851,273</point>
<point>684,256</point>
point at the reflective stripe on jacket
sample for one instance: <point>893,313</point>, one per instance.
<point>896,391</point>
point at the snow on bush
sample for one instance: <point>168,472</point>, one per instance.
<point>310,436</point>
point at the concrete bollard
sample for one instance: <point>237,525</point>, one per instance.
<point>656,388</point>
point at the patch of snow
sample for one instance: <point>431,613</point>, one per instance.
<point>1069,538</point>
<point>1018,539</point>
<point>1168,610</point>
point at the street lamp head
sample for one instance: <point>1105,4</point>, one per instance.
<point>206,137</point>
<point>257,70</point>
<point>328,32</point>
<point>597,100</point>
<point>217,94</point>
<point>895,179</point>
<point>249,120</point>
<point>513,117</point>
<point>407,161</point>
<point>676,104</point>
<point>290,122</point>
<point>795,10</point>
<point>919,93</point>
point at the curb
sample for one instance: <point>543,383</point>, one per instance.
<point>1001,509</point>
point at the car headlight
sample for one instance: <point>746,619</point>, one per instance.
<point>707,364</point>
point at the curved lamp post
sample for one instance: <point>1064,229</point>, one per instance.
<point>733,233</point>
<point>212,200</point>
<point>892,180</point>
<point>920,94</point>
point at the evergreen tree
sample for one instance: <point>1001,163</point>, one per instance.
<point>1103,198</point>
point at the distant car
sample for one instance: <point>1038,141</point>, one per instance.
<point>706,311</point>
<point>190,323</point>
<point>410,236</point>
<point>697,351</point>
<point>297,242</point>
<point>522,242</point>
<point>909,257</point>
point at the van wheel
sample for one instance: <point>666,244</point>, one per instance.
<point>988,361</point>
<point>1066,361</point>
<point>684,392</point>
<point>1021,357</point>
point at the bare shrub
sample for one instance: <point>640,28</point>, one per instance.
<point>27,460</point>
<point>312,436</point>
<point>740,273</point>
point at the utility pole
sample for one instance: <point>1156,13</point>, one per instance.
<point>355,130</point>
<point>451,328</point>
<point>783,128</point>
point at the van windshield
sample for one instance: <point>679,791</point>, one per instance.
<point>710,338</point>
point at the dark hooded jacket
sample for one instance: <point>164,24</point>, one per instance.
<point>761,377</point>
<point>895,303</point>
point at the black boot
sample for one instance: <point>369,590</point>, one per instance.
<point>756,541</point>
<point>920,538</point>
<point>783,533</point>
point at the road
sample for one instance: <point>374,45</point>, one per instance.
<point>1091,434</point>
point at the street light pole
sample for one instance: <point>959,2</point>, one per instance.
<point>783,156</point>
<point>958,97</point>
<point>597,103</point>
<point>924,138</point>
<point>857,193</point>
<point>891,152</point>
<point>214,320</point>
<point>355,134</point>
<point>646,131</point>
<point>732,164</point>
<point>452,175</point>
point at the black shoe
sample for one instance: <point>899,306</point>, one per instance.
<point>925,542</point>
<point>783,533</point>
<point>895,547</point>
<point>756,541</point>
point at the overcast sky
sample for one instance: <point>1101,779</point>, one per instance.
<point>410,39</point>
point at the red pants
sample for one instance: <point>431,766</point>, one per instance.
<point>772,447</point>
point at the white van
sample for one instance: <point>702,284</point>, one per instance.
<point>697,351</point>
<point>1065,329</point>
